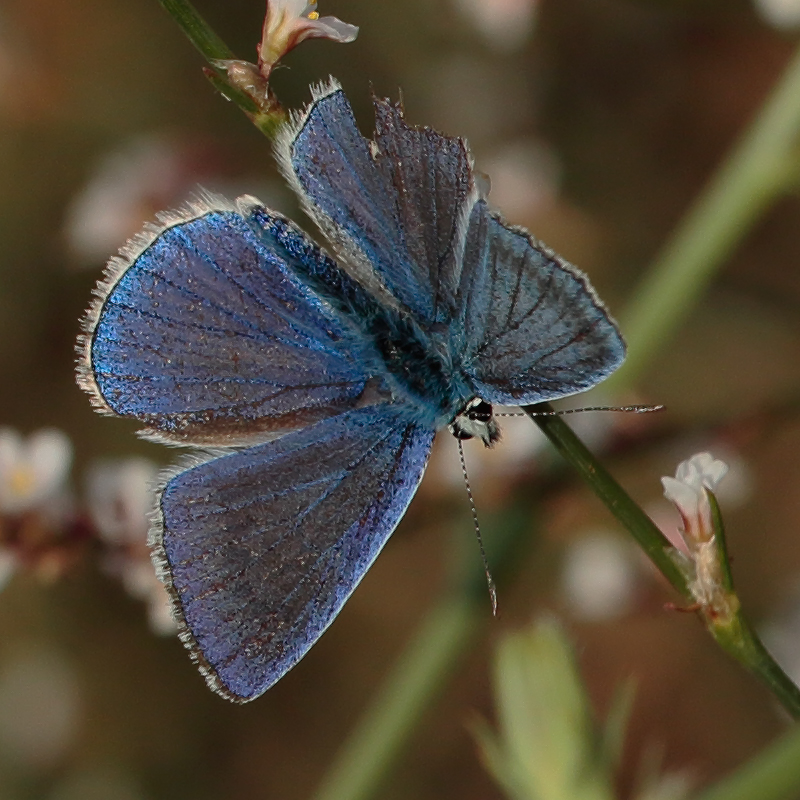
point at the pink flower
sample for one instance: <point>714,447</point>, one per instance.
<point>286,24</point>
<point>289,22</point>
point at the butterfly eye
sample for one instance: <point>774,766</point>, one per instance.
<point>478,411</point>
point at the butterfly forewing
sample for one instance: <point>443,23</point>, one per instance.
<point>206,337</point>
<point>393,206</point>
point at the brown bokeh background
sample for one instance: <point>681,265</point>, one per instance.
<point>621,109</point>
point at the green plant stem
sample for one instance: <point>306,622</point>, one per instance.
<point>740,641</point>
<point>197,30</point>
<point>267,118</point>
<point>643,529</point>
<point>736,637</point>
<point>409,689</point>
<point>760,167</point>
<point>444,635</point>
<point>774,774</point>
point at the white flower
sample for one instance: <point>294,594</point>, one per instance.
<point>140,581</point>
<point>126,187</point>
<point>120,497</point>
<point>32,470</point>
<point>687,490</point>
<point>289,22</point>
<point>780,13</point>
<point>600,576</point>
<point>525,177</point>
<point>505,24</point>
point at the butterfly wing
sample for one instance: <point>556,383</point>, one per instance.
<point>408,222</point>
<point>530,326</point>
<point>260,549</point>
<point>394,208</point>
<point>202,332</point>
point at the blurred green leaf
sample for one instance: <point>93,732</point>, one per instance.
<point>548,746</point>
<point>774,774</point>
<point>616,722</point>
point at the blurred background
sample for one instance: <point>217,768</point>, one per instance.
<point>598,122</point>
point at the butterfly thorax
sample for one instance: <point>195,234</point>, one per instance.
<point>422,373</point>
<point>414,364</point>
<point>416,368</point>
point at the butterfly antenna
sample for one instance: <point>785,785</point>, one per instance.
<point>489,579</point>
<point>564,411</point>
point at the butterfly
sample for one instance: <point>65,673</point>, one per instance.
<point>312,388</point>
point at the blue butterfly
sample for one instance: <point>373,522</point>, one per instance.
<point>319,384</point>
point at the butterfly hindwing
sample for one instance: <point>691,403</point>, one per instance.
<point>203,334</point>
<point>530,326</point>
<point>260,549</point>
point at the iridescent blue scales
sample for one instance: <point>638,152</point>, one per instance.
<point>317,383</point>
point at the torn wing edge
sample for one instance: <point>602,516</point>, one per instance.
<point>359,268</point>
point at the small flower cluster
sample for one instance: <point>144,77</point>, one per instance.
<point>34,503</point>
<point>44,531</point>
<point>120,500</point>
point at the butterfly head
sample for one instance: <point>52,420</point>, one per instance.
<point>476,420</point>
